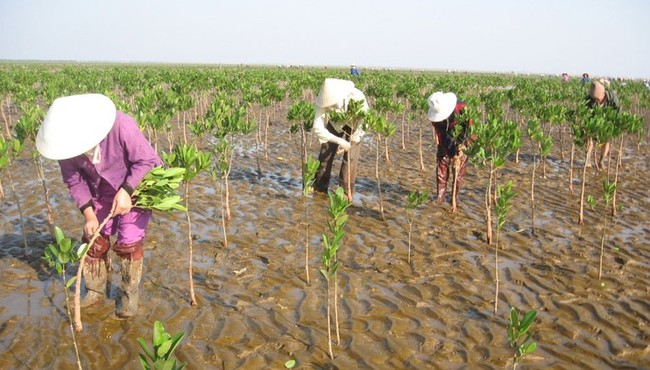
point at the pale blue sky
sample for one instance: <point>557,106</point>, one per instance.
<point>603,38</point>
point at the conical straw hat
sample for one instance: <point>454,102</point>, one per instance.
<point>75,124</point>
<point>333,92</point>
<point>441,106</point>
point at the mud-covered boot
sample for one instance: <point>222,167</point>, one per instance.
<point>129,295</point>
<point>95,276</point>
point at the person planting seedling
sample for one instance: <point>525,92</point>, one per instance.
<point>601,96</point>
<point>103,157</point>
<point>443,111</point>
<point>339,99</point>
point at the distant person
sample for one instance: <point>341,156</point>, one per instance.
<point>601,96</point>
<point>585,78</point>
<point>103,156</point>
<point>565,77</point>
<point>444,108</point>
<point>354,71</point>
<point>335,95</point>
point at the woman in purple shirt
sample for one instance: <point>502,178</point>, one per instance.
<point>103,157</point>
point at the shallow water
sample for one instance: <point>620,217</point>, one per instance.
<point>256,310</point>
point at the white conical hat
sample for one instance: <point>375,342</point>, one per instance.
<point>441,106</point>
<point>75,124</point>
<point>333,92</point>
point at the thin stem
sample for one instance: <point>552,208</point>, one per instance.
<point>532,195</point>
<point>422,168</point>
<point>46,193</point>
<point>410,228</point>
<point>306,239</point>
<point>189,239</point>
<point>223,216</point>
<point>381,204</point>
<point>581,219</point>
<point>602,249</point>
<point>618,165</point>
<point>454,188</point>
<point>573,150</point>
<point>496,272</point>
<point>329,324</point>
<point>488,208</point>
<point>67,307</point>
<point>336,307</point>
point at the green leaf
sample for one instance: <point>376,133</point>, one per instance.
<point>58,234</point>
<point>158,333</point>
<point>70,281</point>
<point>163,350</point>
<point>83,248</point>
<point>146,349</point>
<point>528,319</point>
<point>529,348</point>
<point>175,341</point>
<point>143,362</point>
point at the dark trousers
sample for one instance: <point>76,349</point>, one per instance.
<point>348,173</point>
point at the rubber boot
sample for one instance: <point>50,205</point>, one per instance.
<point>95,276</point>
<point>129,295</point>
<point>95,271</point>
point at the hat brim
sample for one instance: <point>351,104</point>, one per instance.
<point>333,92</point>
<point>75,124</point>
<point>444,106</point>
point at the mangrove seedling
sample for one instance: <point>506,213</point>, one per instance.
<point>164,345</point>
<point>519,335</point>
<point>492,142</point>
<point>59,254</point>
<point>502,207</point>
<point>301,117</point>
<point>609,189</point>
<point>309,175</point>
<point>544,145</point>
<point>337,220</point>
<point>413,201</point>
<point>380,126</point>
<point>194,162</point>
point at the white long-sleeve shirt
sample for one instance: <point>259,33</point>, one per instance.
<point>320,120</point>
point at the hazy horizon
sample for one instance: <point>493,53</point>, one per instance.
<point>602,38</point>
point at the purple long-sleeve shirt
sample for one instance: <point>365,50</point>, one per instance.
<point>126,157</point>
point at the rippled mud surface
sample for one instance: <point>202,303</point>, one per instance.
<point>256,310</point>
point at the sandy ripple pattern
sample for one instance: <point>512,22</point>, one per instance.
<point>256,310</point>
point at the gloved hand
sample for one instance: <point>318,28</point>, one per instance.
<point>344,145</point>
<point>356,136</point>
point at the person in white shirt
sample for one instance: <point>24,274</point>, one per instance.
<point>338,137</point>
